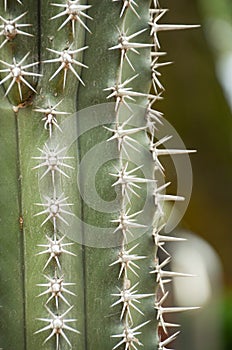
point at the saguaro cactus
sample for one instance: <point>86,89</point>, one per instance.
<point>58,289</point>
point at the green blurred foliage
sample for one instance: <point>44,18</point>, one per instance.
<point>227,317</point>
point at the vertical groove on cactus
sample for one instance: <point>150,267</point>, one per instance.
<point>21,243</point>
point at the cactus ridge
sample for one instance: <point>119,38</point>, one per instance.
<point>123,95</point>
<point>127,222</point>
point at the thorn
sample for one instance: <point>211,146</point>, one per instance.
<point>123,135</point>
<point>54,208</point>
<point>66,61</point>
<point>58,326</point>
<point>128,180</point>
<point>129,336</point>
<point>56,287</point>
<point>162,310</point>
<point>123,93</point>
<point>127,260</point>
<point>162,273</point>
<point>125,45</point>
<point>168,340</point>
<point>17,71</point>
<point>128,4</point>
<point>53,159</point>
<point>155,27</point>
<point>161,198</point>
<point>10,28</point>
<point>125,222</point>
<point>50,117</point>
<point>128,297</point>
<point>55,248</point>
<point>74,11</point>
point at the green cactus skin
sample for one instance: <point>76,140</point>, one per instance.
<point>92,271</point>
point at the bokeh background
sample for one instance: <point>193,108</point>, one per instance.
<point>198,103</point>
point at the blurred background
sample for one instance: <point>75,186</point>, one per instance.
<point>198,103</point>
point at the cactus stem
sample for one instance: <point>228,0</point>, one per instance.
<point>55,248</point>
<point>127,180</point>
<point>10,28</point>
<point>74,11</point>
<point>17,71</point>
<point>58,325</point>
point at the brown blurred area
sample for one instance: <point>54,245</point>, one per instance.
<point>194,103</point>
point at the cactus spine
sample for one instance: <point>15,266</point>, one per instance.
<point>68,294</point>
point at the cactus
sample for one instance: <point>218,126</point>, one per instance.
<point>59,291</point>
